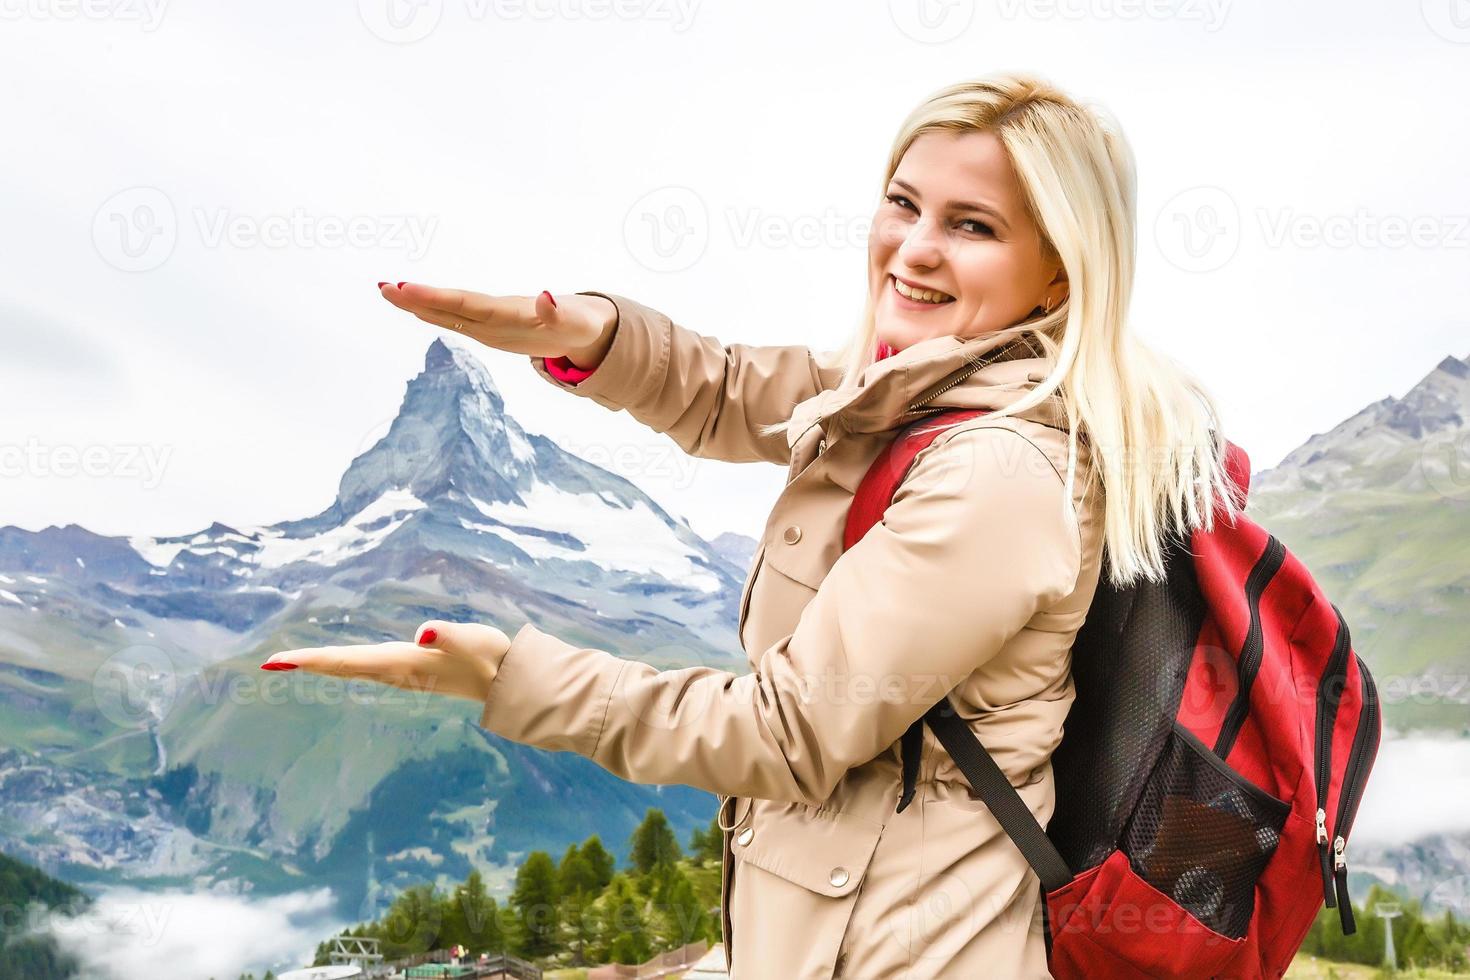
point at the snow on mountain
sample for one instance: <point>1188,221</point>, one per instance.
<point>454,479</point>
<point>271,547</point>
<point>617,539</point>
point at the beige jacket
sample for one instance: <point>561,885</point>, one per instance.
<point>977,579</point>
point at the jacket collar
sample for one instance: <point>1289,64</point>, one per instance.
<point>988,372</point>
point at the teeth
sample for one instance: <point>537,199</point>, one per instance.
<point>921,295</point>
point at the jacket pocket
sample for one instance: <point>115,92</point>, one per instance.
<point>755,567</point>
<point>799,871</point>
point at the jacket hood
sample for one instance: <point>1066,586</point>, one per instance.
<point>991,371</point>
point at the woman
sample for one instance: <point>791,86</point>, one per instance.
<point>999,271</point>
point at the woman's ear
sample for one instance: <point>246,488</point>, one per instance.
<point>1059,288</point>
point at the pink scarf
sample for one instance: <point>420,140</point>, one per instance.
<point>885,349</point>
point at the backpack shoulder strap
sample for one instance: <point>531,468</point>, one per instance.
<point>885,474</point>
<point>873,496</point>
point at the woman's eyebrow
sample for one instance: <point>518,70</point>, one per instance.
<point>958,205</point>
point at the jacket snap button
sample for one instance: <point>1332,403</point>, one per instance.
<point>792,534</point>
<point>745,836</point>
<point>838,877</point>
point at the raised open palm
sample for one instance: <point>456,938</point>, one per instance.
<point>539,326</point>
<point>457,660</point>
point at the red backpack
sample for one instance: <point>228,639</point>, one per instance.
<point>1212,763</point>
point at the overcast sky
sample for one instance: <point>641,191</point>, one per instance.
<point>187,336</point>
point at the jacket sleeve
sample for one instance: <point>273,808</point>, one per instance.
<point>706,396</point>
<point>979,537</point>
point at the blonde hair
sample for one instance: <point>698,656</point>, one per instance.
<point>1078,175</point>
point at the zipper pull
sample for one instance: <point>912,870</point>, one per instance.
<point>1339,874</point>
<point>1324,857</point>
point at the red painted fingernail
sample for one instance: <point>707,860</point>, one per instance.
<point>382,284</point>
<point>278,665</point>
<point>400,285</point>
<point>429,636</point>
<point>547,294</point>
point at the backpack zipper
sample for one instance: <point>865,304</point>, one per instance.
<point>1329,698</point>
<point>1360,762</point>
<point>1252,647</point>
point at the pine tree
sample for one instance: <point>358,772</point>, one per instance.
<point>470,918</point>
<point>575,874</point>
<point>413,923</point>
<point>679,917</point>
<point>535,902</point>
<point>654,842</point>
<point>622,927</point>
<point>579,888</point>
<point>1438,942</point>
<point>707,844</point>
<point>600,860</point>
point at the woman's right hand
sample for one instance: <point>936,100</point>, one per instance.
<point>575,326</point>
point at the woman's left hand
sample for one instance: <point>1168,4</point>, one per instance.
<point>455,659</point>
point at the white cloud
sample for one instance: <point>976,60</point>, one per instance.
<point>135,935</point>
<point>1418,787</point>
<point>526,132</point>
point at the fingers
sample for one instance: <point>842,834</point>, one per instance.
<point>461,304</point>
<point>382,662</point>
<point>468,639</point>
<point>545,307</point>
<point>496,321</point>
<point>457,324</point>
<point>473,649</point>
<point>453,659</point>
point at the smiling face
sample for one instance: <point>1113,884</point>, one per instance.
<point>954,222</point>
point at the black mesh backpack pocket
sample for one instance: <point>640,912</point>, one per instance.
<point>1202,834</point>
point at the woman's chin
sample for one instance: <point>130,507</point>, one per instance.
<point>900,336</point>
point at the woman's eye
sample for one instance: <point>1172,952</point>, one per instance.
<point>981,228</point>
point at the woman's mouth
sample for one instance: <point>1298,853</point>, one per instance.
<point>911,298</point>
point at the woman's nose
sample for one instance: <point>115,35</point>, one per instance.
<point>922,246</point>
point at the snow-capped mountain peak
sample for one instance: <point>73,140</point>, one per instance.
<point>455,486</point>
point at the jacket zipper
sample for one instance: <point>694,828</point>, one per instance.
<point>1252,648</point>
<point>989,357</point>
<point>1329,698</point>
<point>1360,761</point>
<point>964,373</point>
